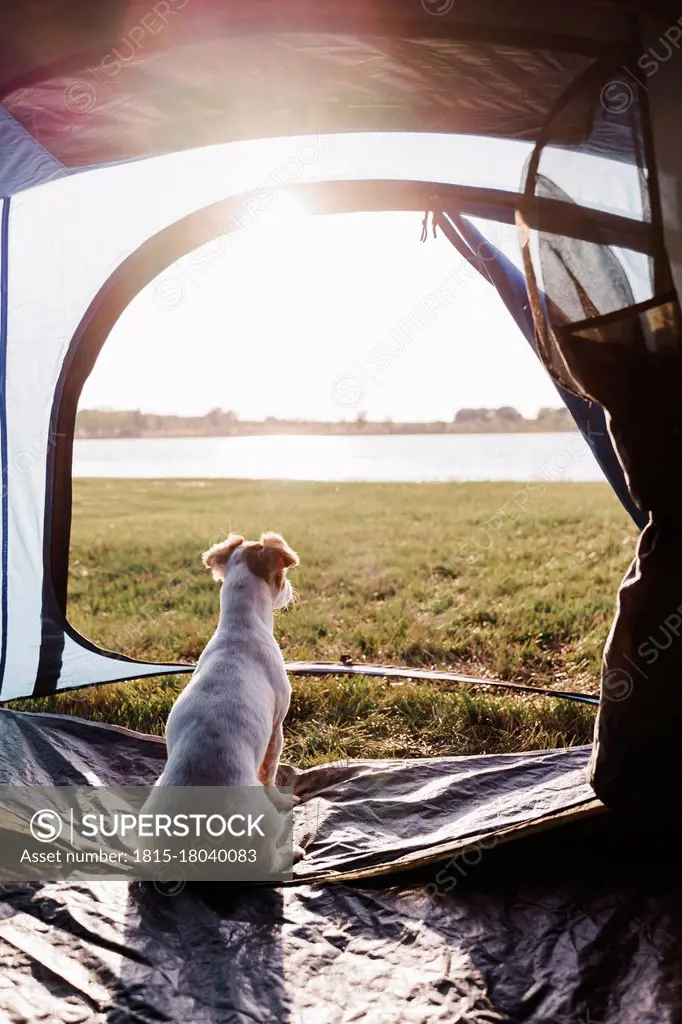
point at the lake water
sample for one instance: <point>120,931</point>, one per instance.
<point>406,458</point>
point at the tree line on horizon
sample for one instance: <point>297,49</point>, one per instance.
<point>112,423</point>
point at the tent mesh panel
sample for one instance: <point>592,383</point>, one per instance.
<point>607,319</point>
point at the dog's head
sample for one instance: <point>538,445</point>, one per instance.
<point>268,558</point>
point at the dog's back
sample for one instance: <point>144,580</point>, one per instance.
<point>220,726</point>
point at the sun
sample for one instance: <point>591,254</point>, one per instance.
<point>281,219</point>
<point>287,215</point>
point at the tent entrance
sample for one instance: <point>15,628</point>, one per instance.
<point>210,223</point>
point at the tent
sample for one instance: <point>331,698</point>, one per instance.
<point>444,889</point>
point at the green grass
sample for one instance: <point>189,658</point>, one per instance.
<point>499,580</point>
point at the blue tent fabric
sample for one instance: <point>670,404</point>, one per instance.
<point>24,162</point>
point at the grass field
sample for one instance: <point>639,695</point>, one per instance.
<point>501,580</point>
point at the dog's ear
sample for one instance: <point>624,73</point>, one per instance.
<point>271,554</point>
<point>277,549</point>
<point>216,557</point>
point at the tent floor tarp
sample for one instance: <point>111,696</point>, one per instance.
<point>426,911</point>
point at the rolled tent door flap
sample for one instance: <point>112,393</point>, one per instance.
<point>609,330</point>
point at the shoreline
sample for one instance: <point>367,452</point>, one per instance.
<point>186,435</point>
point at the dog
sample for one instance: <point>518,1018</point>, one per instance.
<point>225,728</point>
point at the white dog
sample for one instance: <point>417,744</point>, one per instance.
<point>225,729</point>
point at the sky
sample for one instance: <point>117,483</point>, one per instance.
<point>321,318</point>
<point>300,316</point>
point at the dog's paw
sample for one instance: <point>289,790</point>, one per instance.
<point>299,853</point>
